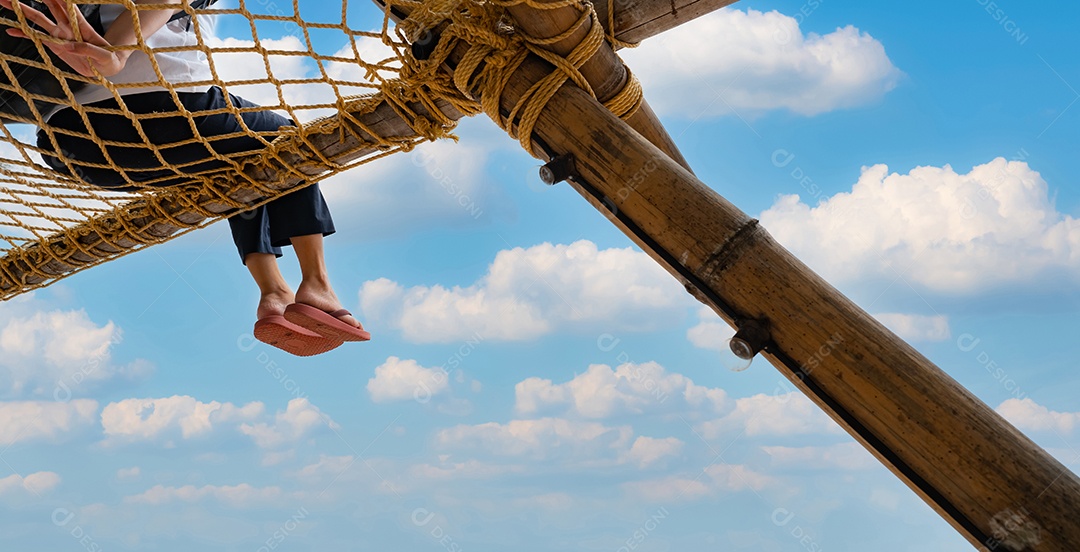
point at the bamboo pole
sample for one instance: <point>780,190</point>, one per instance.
<point>992,483</point>
<point>637,20</point>
<point>604,71</point>
<point>988,480</point>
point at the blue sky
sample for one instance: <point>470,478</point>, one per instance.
<point>534,381</point>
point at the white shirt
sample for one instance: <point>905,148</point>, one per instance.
<point>180,69</point>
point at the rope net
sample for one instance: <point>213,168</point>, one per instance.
<point>345,75</point>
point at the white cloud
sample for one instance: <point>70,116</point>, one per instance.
<point>183,417</point>
<point>273,458</point>
<point>716,479</point>
<point>568,444</point>
<point>34,484</point>
<point>772,415</point>
<point>237,496</point>
<point>133,472</point>
<point>553,502</point>
<point>251,66</point>
<point>948,232</point>
<point>31,420</point>
<point>171,417</point>
<point>391,477</point>
<point>710,333</point>
<point>65,336</point>
<point>397,380</point>
<point>57,353</point>
<point>469,469</point>
<point>547,442</point>
<point>248,69</point>
<point>443,184</point>
<point>543,439</point>
<point>299,420</point>
<point>916,327</point>
<point>1028,415</point>
<point>327,467</point>
<point>844,456</point>
<point>531,292</point>
<point>766,63</point>
<point>339,478</point>
<point>647,451</point>
<point>601,392</point>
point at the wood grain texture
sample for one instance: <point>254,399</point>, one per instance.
<point>604,71</point>
<point>637,20</point>
<point>959,455</point>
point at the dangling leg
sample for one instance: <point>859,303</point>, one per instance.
<point>274,291</point>
<point>251,234</point>
<point>302,219</point>
<point>315,289</point>
<point>317,307</point>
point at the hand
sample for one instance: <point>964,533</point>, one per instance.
<point>91,52</point>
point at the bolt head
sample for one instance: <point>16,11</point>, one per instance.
<point>547,176</point>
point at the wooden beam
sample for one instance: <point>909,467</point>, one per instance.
<point>637,20</point>
<point>992,483</point>
<point>604,71</point>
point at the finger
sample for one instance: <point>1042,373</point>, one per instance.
<point>30,14</point>
<point>91,51</point>
<point>45,38</point>
<point>79,24</point>
<point>36,17</point>
<point>77,63</point>
<point>88,32</point>
<point>59,13</point>
<point>31,33</point>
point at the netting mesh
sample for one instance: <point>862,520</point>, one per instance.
<point>344,73</point>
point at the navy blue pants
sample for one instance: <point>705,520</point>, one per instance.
<point>262,230</point>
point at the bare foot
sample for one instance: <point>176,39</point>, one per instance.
<point>320,295</point>
<point>274,303</point>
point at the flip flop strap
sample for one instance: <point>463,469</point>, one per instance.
<point>339,313</point>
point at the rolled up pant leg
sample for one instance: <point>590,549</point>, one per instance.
<point>268,228</point>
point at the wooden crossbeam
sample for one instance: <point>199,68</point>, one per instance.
<point>638,20</point>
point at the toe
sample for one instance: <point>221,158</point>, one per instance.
<point>348,319</point>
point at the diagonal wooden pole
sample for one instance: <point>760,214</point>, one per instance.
<point>989,481</point>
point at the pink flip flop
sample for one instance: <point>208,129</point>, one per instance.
<point>277,331</point>
<point>326,324</point>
